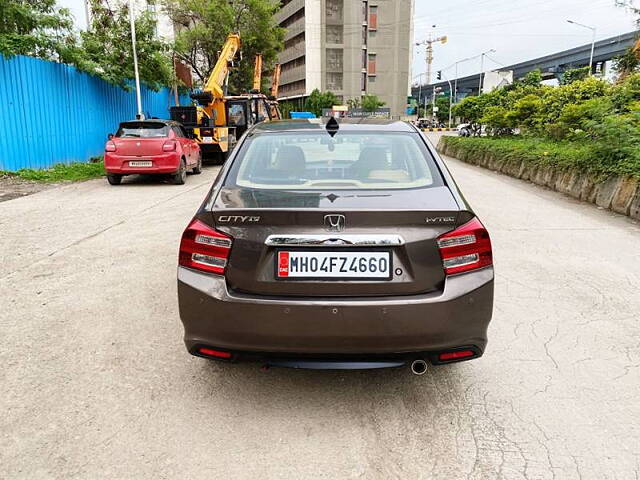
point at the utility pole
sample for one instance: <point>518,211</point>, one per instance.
<point>593,43</point>
<point>429,52</point>
<point>139,115</point>
<point>87,15</point>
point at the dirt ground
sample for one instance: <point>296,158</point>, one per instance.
<point>13,187</point>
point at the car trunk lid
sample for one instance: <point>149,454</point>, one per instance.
<point>139,147</point>
<point>264,223</point>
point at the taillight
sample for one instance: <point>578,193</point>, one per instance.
<point>447,356</point>
<point>465,248</point>
<point>203,248</point>
<point>169,146</point>
<point>110,146</point>
<point>210,352</point>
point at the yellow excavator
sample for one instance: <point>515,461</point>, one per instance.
<point>207,121</point>
<point>218,119</point>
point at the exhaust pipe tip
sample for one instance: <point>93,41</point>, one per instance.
<point>419,367</point>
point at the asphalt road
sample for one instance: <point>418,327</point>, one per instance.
<point>95,381</point>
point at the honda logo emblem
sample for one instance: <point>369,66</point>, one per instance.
<point>334,223</point>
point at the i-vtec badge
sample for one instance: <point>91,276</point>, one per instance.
<point>440,219</point>
<point>238,219</point>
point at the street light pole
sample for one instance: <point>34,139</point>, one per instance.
<point>450,98</point>
<point>455,82</point>
<point>481,69</point>
<point>593,42</point>
<point>139,115</point>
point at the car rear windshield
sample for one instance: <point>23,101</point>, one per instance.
<point>350,161</point>
<point>142,130</point>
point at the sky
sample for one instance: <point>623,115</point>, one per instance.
<point>517,29</point>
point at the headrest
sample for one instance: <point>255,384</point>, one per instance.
<point>290,159</point>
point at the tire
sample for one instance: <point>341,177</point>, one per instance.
<point>180,176</point>
<point>222,157</point>
<point>197,170</point>
<point>114,179</point>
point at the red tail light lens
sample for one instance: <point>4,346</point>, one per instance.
<point>456,355</point>
<point>209,352</point>
<point>110,147</point>
<point>466,248</point>
<point>169,146</point>
<point>203,248</point>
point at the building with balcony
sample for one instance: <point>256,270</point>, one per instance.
<point>350,47</point>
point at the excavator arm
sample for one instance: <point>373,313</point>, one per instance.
<point>275,81</point>
<point>257,73</point>
<point>215,82</point>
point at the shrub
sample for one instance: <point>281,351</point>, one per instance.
<point>585,156</point>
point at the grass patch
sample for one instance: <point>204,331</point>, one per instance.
<point>585,156</point>
<point>61,172</point>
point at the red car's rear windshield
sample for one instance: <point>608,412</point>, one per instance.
<point>350,160</point>
<point>142,130</point>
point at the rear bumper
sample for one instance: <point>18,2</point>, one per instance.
<point>391,326</point>
<point>119,164</point>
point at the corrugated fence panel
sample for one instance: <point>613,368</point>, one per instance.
<point>51,113</point>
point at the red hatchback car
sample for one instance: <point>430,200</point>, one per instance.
<point>151,147</point>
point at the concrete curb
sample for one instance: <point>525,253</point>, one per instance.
<point>619,194</point>
<point>438,129</point>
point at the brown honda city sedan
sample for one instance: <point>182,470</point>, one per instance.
<point>344,244</point>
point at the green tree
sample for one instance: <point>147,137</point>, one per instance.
<point>527,112</point>
<point>354,103</point>
<point>532,79</point>
<point>107,52</point>
<point>36,28</point>
<point>472,109</point>
<point>442,102</point>
<point>627,63</point>
<point>371,103</point>
<point>319,100</point>
<point>205,24</point>
<point>498,120</point>
<point>574,74</point>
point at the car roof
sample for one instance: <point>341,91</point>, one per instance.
<point>346,124</point>
<point>152,120</point>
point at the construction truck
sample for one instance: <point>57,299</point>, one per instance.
<point>219,120</point>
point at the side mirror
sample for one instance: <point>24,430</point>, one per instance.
<point>110,136</point>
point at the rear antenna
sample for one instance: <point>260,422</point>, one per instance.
<point>332,126</point>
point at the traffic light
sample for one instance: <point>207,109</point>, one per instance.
<point>439,75</point>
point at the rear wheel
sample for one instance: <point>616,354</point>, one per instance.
<point>181,175</point>
<point>114,179</point>
<point>198,168</point>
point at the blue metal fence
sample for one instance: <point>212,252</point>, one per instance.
<point>52,113</point>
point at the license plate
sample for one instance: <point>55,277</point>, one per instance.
<point>141,163</point>
<point>207,139</point>
<point>334,265</point>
